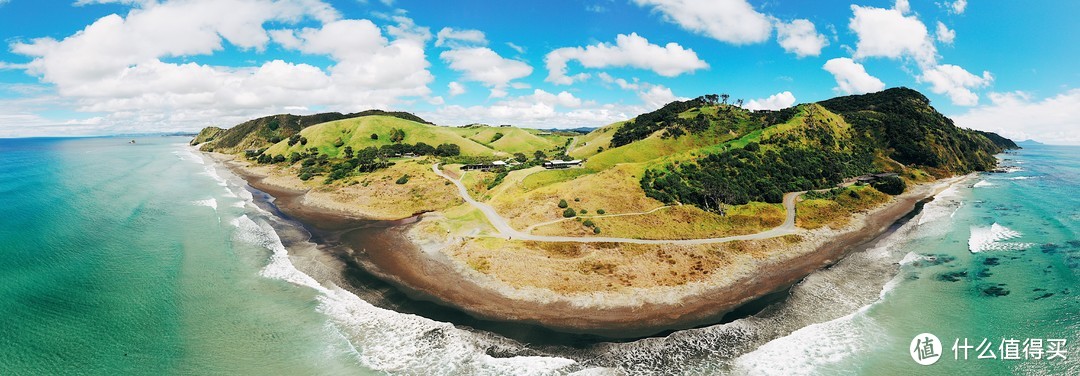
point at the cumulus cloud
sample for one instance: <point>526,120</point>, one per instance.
<point>957,7</point>
<point>800,37</point>
<point>889,33</point>
<point>483,65</point>
<point>731,21</point>
<point>773,102</point>
<point>851,77</point>
<point>1017,116</point>
<point>539,109</point>
<point>628,51</point>
<point>459,38</point>
<point>121,65</point>
<point>956,83</point>
<point>657,96</point>
<point>944,35</point>
<point>455,89</point>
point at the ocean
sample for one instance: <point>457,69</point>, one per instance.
<point>148,258</point>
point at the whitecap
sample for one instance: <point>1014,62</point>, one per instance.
<point>210,202</point>
<point>993,238</point>
<point>982,183</point>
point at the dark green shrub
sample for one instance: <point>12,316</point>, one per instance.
<point>403,179</point>
<point>563,204</point>
<point>569,213</point>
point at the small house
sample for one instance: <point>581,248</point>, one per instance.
<point>558,164</point>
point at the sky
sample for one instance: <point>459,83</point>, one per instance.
<point>98,67</point>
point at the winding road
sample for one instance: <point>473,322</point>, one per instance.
<point>504,229</point>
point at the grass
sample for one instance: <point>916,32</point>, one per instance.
<point>677,222</point>
<point>835,208</point>
<point>514,140</point>
<point>377,194</point>
<point>357,134</point>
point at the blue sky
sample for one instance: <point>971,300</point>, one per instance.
<point>92,67</point>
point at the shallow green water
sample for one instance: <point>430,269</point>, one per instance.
<point>111,261</point>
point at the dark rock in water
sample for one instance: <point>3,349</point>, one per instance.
<point>991,261</point>
<point>995,291</point>
<point>985,273</point>
<point>952,276</point>
<point>1044,296</point>
<point>933,259</point>
<point>1072,262</point>
<point>1050,248</point>
<point>1066,291</point>
<point>1073,243</point>
<point>1037,290</point>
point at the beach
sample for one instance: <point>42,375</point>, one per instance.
<point>422,268</point>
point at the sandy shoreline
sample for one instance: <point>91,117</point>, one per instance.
<point>421,268</point>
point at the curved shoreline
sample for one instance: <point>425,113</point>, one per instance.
<point>425,273</point>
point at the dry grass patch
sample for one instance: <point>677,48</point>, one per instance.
<point>378,195</point>
<point>677,222</point>
<point>835,208</point>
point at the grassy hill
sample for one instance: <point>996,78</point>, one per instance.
<point>331,137</point>
<point>263,132</point>
<point>711,162</point>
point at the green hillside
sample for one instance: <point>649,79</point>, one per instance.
<point>266,131</point>
<point>510,139</point>
<point>332,137</point>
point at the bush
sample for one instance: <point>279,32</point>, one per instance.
<point>397,135</point>
<point>278,158</point>
<point>892,185</point>
<point>588,223</point>
<point>563,204</point>
<point>403,179</point>
<point>496,137</point>
<point>305,176</point>
<point>596,230</point>
<point>303,140</point>
<point>339,142</point>
<point>583,212</point>
<point>374,136</point>
<point>569,213</point>
<point>600,211</point>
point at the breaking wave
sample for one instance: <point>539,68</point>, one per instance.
<point>993,238</point>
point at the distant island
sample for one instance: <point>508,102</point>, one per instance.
<point>664,221</point>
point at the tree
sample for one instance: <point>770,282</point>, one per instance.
<point>305,176</point>
<point>725,97</point>
<point>294,139</point>
<point>563,204</point>
<point>892,185</point>
<point>303,140</point>
<point>739,102</point>
<point>348,152</point>
<point>278,158</point>
<point>447,150</point>
<point>539,155</point>
<point>520,157</point>
<point>569,213</point>
<point>374,136</point>
<point>397,135</point>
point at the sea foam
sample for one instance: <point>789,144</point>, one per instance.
<point>992,238</point>
<point>389,341</point>
<point>983,184</point>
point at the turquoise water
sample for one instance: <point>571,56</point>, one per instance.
<point>112,260</point>
<point>149,259</point>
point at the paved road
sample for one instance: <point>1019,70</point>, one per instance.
<point>504,229</point>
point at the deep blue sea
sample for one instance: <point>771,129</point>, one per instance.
<point>148,258</point>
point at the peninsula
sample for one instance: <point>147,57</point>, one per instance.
<point>664,221</point>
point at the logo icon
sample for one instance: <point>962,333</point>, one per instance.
<point>925,349</point>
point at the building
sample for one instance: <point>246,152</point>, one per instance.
<point>557,164</point>
<point>484,166</point>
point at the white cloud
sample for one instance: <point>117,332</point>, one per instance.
<point>515,47</point>
<point>958,6</point>
<point>944,35</point>
<point>773,102</point>
<point>483,65</point>
<point>731,21</point>
<point>956,83</point>
<point>851,77</point>
<point>889,33</point>
<point>800,37</point>
<point>122,66</point>
<point>455,89</point>
<point>657,96</point>
<point>1015,115</point>
<point>622,83</point>
<point>460,38</point>
<point>540,109</point>
<point>903,6</point>
<point>406,28</point>
<point>628,51</point>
